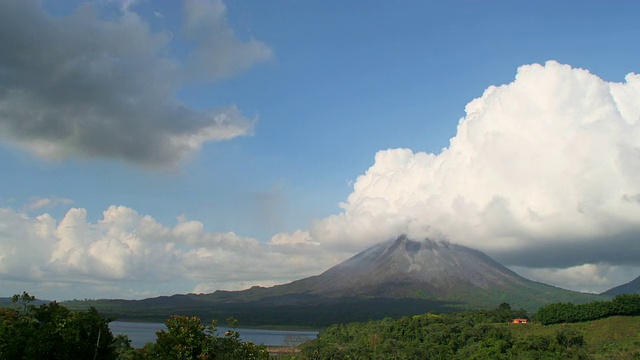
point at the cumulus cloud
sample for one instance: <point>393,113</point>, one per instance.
<point>125,250</point>
<point>206,25</point>
<point>592,277</point>
<point>88,87</point>
<point>39,203</point>
<point>544,172</point>
<point>125,5</point>
<point>298,237</point>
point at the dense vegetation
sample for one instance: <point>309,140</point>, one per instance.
<point>484,334</point>
<point>51,331</point>
<point>466,335</point>
<point>187,338</point>
<point>557,313</point>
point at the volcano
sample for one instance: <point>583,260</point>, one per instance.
<point>407,268</point>
<point>395,278</point>
<point>427,269</point>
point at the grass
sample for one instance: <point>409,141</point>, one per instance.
<point>616,337</point>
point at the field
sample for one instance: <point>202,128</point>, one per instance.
<point>616,337</point>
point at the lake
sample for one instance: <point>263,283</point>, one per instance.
<point>141,333</point>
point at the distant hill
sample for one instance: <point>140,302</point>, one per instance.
<point>395,278</point>
<point>6,302</point>
<point>632,287</point>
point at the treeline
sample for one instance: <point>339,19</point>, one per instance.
<point>51,332</point>
<point>627,305</point>
<point>302,310</point>
<point>468,335</point>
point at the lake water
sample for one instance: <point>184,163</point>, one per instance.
<point>141,333</point>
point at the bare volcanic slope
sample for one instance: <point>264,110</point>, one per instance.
<point>407,268</point>
<point>394,278</point>
<point>404,268</point>
<point>632,287</point>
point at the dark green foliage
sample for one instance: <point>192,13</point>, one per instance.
<point>187,338</point>
<point>481,334</point>
<point>565,343</point>
<point>51,331</point>
<point>628,304</point>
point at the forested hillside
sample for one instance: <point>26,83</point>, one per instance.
<point>484,334</point>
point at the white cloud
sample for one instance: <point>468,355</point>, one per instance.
<point>83,86</point>
<point>125,5</point>
<point>298,237</point>
<point>38,203</point>
<point>551,156</point>
<point>594,278</point>
<point>125,253</point>
<point>543,172</point>
<point>206,24</point>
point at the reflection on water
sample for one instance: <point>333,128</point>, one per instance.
<point>141,333</point>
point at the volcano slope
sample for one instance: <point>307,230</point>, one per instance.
<point>395,278</point>
<point>632,287</point>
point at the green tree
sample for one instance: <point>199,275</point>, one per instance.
<point>184,339</point>
<point>51,331</point>
<point>187,338</point>
<point>23,299</point>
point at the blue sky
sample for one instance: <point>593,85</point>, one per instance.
<point>314,89</point>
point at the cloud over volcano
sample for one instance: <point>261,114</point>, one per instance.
<point>544,172</point>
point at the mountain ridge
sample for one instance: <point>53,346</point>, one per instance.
<point>407,268</point>
<point>394,278</point>
<point>632,287</point>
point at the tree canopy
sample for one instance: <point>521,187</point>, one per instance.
<point>53,332</point>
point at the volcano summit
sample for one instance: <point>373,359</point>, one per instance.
<point>395,278</point>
